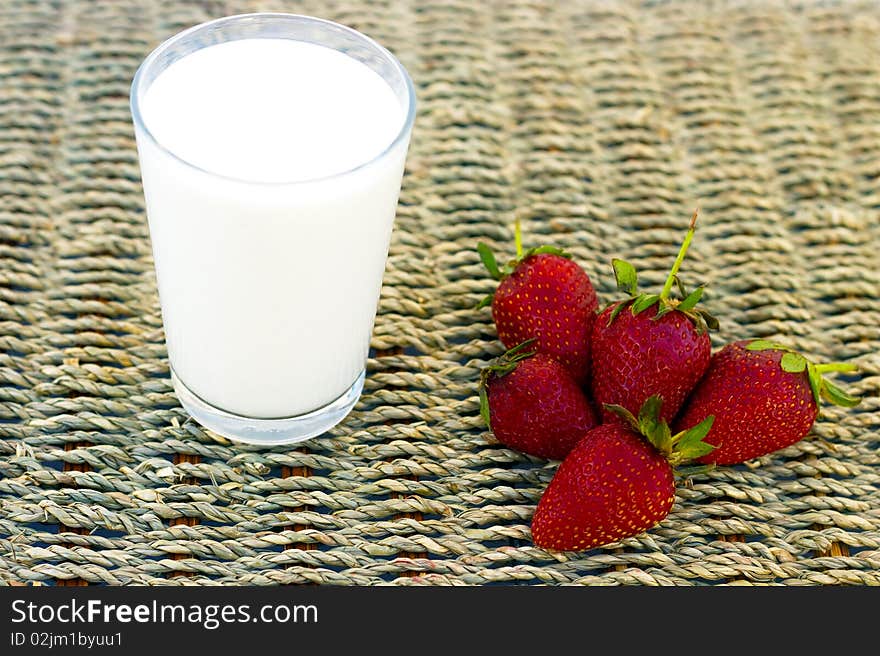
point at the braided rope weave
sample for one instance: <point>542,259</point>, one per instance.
<point>601,126</point>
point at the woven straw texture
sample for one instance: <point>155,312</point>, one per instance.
<point>601,126</point>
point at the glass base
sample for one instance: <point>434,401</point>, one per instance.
<point>268,431</point>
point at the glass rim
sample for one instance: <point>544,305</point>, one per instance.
<point>140,123</point>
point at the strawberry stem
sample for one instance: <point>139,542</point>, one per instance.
<point>517,238</point>
<point>836,366</point>
<point>670,281</point>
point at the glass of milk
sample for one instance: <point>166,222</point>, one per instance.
<point>272,148</point>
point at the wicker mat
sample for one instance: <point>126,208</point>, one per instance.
<point>601,126</point>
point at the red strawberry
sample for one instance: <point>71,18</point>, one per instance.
<point>615,483</point>
<point>650,344</point>
<point>544,295</point>
<point>764,397</point>
<point>532,404</point>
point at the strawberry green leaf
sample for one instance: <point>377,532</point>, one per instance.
<point>624,414</point>
<point>501,367</point>
<point>693,470</point>
<point>516,351</point>
<point>690,444</point>
<point>837,396</point>
<point>710,321</point>
<point>815,379</point>
<point>649,413</point>
<point>489,261</point>
<point>484,406</point>
<point>691,300</point>
<point>486,302</point>
<point>652,427</point>
<point>766,345</point>
<point>643,302</point>
<point>681,288</point>
<point>662,311</point>
<point>626,277</point>
<point>793,363</point>
<point>661,437</point>
<point>615,312</point>
<point>552,250</point>
<point>694,451</point>
<point>697,432</point>
<point>506,363</point>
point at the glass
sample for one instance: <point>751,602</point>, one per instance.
<point>269,290</point>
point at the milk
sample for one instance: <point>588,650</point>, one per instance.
<point>270,214</point>
<point>272,110</point>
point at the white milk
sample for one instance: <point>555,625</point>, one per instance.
<point>269,271</point>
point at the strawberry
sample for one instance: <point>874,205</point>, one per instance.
<point>617,482</point>
<point>532,404</point>
<point>764,397</point>
<point>543,295</point>
<point>650,344</point>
